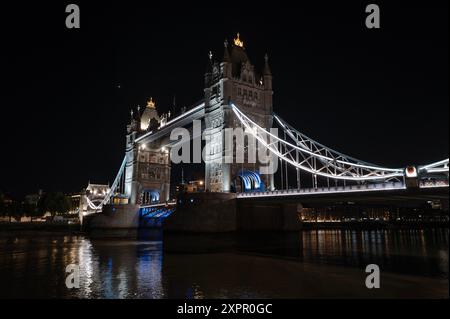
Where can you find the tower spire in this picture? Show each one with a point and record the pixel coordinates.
(238, 42)
(209, 63)
(266, 70)
(182, 176)
(226, 54)
(151, 104)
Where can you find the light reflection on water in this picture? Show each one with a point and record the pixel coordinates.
(225, 266)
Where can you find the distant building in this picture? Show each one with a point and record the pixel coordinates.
(75, 200)
(355, 213)
(195, 186)
(191, 187)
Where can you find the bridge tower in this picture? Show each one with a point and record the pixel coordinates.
(234, 79)
(147, 168)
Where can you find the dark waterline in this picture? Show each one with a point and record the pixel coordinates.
(309, 264)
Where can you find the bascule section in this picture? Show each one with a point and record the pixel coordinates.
(234, 78)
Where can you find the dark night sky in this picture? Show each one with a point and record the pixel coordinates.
(379, 95)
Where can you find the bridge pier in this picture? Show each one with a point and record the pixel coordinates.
(204, 212)
(260, 216)
(114, 217)
(221, 212)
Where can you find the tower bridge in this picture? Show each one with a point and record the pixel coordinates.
(236, 95)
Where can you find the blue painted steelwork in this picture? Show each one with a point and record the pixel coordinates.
(154, 216)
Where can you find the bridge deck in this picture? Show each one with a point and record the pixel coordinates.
(393, 193)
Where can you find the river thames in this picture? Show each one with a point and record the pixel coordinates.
(307, 264)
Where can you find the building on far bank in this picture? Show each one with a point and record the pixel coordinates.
(355, 213)
(195, 186)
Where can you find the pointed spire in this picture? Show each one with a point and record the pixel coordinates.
(209, 64)
(151, 104)
(266, 70)
(174, 105)
(226, 54)
(182, 176)
(238, 42)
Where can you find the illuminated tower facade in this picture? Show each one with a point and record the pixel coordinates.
(234, 79)
(147, 170)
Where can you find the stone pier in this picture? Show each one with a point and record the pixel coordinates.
(221, 212)
(206, 213)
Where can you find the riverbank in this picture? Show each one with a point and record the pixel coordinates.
(373, 225)
(24, 228)
(65, 228)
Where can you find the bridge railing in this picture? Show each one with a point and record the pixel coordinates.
(171, 203)
(327, 190)
(433, 184)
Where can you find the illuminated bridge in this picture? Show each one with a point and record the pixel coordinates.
(237, 96)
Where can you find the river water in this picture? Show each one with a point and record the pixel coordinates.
(307, 264)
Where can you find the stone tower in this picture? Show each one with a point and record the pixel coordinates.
(147, 170)
(234, 79)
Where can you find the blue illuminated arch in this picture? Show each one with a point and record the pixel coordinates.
(251, 181)
(152, 196)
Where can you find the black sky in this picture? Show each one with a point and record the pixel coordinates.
(379, 95)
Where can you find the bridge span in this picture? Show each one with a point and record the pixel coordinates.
(236, 96)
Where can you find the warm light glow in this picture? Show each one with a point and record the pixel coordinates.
(411, 172)
(150, 103)
(201, 182)
(238, 42)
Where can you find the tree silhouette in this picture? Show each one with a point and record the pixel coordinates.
(56, 203)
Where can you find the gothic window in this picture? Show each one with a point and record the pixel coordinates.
(239, 91)
(256, 95)
(250, 94)
(245, 93)
(244, 78)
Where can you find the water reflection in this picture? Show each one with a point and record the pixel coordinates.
(416, 252)
(293, 265)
